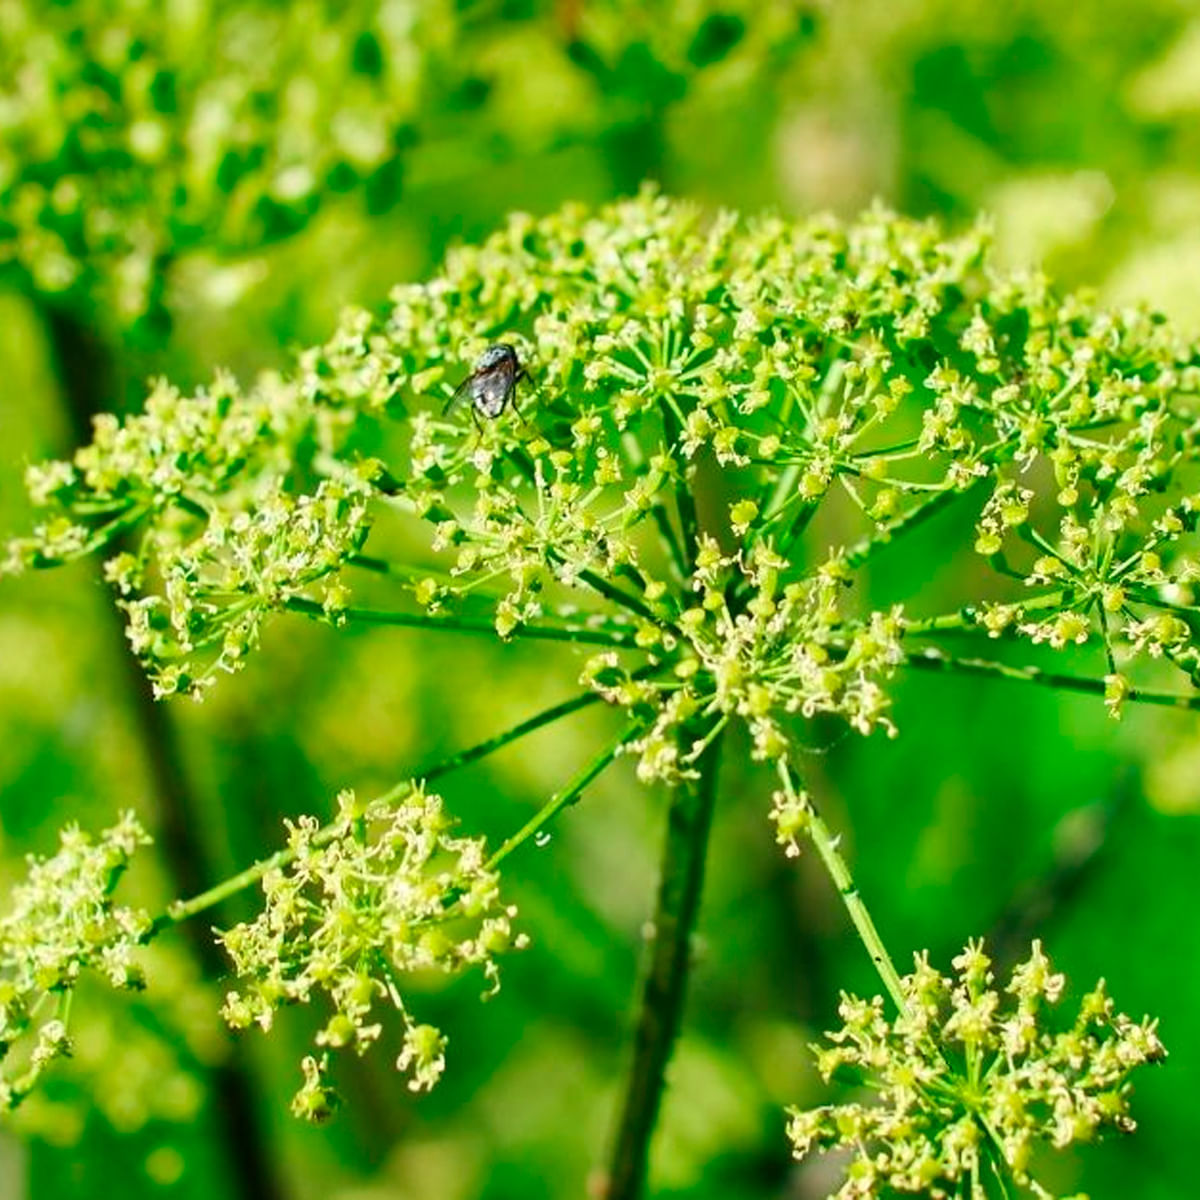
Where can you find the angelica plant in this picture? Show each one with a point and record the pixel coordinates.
(727, 420)
(154, 156)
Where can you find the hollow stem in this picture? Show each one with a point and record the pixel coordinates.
(689, 819)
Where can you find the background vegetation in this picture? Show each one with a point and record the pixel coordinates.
(1017, 811)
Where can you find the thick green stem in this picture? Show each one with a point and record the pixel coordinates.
(689, 819)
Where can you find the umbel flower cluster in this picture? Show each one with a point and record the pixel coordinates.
(384, 890)
(967, 1077)
(60, 923)
(844, 382)
(725, 420)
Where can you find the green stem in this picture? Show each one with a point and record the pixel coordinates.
(965, 620)
(565, 797)
(666, 533)
(830, 852)
(621, 598)
(969, 619)
(685, 501)
(184, 909)
(994, 1149)
(482, 749)
(800, 521)
(662, 519)
(582, 634)
(886, 533)
(1147, 597)
(383, 566)
(935, 660)
(782, 492)
(689, 819)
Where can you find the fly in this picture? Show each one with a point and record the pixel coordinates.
(493, 382)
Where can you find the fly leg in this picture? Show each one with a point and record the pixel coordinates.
(521, 376)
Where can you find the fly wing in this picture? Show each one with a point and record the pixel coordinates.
(459, 392)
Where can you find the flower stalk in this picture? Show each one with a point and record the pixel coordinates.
(689, 819)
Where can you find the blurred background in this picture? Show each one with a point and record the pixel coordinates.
(191, 184)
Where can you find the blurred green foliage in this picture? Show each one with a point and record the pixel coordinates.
(1003, 809)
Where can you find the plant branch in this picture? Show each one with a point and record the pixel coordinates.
(689, 819)
(383, 566)
(662, 518)
(887, 532)
(967, 619)
(563, 798)
(621, 598)
(666, 532)
(482, 749)
(829, 848)
(182, 910)
(579, 633)
(935, 660)
(685, 502)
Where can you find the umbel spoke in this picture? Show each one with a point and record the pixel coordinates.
(184, 909)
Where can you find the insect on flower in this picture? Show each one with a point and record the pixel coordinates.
(493, 382)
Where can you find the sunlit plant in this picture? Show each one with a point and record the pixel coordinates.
(726, 420)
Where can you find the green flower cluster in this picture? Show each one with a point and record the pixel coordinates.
(964, 1085)
(136, 1060)
(1105, 546)
(226, 541)
(219, 586)
(873, 373)
(877, 365)
(384, 890)
(62, 922)
(786, 649)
